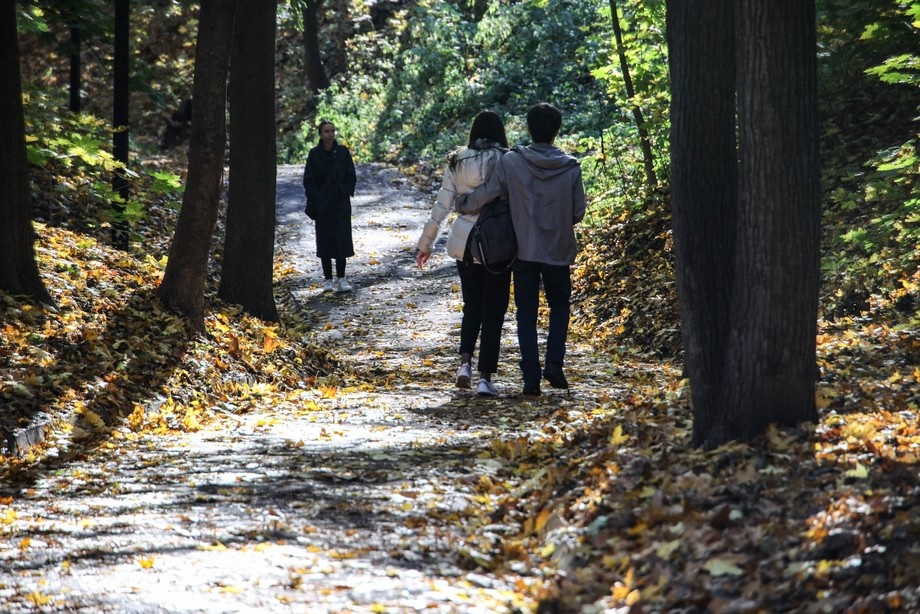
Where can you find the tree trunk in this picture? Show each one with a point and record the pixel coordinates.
(186, 272)
(770, 377)
(18, 269)
(746, 234)
(644, 140)
(121, 106)
(75, 85)
(249, 245)
(313, 64)
(703, 194)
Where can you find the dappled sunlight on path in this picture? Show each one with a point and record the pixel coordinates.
(371, 493)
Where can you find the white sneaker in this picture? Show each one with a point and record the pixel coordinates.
(486, 389)
(328, 285)
(342, 285)
(464, 375)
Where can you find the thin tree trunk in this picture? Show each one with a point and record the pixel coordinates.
(184, 281)
(120, 119)
(75, 69)
(313, 65)
(644, 139)
(246, 277)
(18, 269)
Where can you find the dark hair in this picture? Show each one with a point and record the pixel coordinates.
(488, 125)
(543, 122)
(323, 122)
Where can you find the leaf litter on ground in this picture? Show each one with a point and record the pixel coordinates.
(586, 502)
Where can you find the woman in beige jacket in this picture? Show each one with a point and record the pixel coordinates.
(485, 295)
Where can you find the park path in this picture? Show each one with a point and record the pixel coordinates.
(358, 502)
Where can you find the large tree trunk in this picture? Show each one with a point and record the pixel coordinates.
(644, 141)
(703, 193)
(186, 272)
(18, 270)
(246, 278)
(121, 106)
(771, 372)
(313, 64)
(747, 235)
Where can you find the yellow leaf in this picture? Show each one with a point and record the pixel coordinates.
(722, 567)
(8, 517)
(547, 550)
(136, 419)
(93, 419)
(860, 472)
(25, 543)
(666, 549)
(145, 563)
(542, 518)
(38, 599)
(618, 437)
(270, 343)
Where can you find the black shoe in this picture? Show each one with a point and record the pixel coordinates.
(531, 389)
(555, 377)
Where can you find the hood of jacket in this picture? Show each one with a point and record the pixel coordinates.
(546, 161)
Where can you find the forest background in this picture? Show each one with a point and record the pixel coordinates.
(406, 77)
(404, 80)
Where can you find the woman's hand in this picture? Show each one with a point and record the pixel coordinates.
(421, 258)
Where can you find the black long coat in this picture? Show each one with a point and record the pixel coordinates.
(329, 180)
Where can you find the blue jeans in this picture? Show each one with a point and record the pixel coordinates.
(557, 287)
(485, 301)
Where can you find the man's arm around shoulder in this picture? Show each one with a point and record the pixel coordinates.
(473, 202)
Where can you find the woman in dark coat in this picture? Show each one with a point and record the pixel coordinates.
(329, 181)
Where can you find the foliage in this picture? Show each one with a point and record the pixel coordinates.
(870, 98)
(72, 169)
(162, 46)
(413, 89)
(419, 70)
(112, 349)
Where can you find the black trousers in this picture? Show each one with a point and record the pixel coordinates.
(485, 301)
(327, 267)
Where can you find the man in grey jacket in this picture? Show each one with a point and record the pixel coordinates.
(545, 193)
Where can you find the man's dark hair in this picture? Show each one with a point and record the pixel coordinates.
(543, 122)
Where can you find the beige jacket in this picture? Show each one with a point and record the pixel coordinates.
(467, 168)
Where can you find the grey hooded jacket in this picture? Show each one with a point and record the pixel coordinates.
(546, 196)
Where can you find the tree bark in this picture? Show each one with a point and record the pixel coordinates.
(644, 139)
(248, 259)
(18, 269)
(746, 234)
(313, 64)
(770, 375)
(120, 119)
(703, 193)
(185, 278)
(75, 69)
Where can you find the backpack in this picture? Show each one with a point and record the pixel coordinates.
(492, 241)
